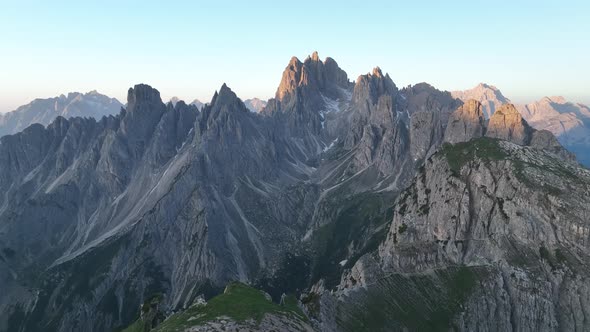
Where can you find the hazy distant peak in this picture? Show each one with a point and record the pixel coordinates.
(45, 110)
(174, 100)
(255, 104)
(486, 86)
(197, 103)
(554, 99)
(487, 94)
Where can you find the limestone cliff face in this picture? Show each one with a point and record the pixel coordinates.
(374, 98)
(465, 123)
(507, 124)
(454, 253)
(306, 93)
(490, 236)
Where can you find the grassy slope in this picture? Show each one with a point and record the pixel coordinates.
(419, 302)
(239, 302)
(461, 153)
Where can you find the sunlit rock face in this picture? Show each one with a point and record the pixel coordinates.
(488, 95)
(507, 124)
(466, 123)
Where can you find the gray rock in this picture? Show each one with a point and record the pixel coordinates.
(465, 123)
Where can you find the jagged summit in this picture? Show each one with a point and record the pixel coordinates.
(507, 124)
(142, 93)
(312, 73)
(377, 72)
(226, 97)
(465, 123)
(372, 86)
(315, 57)
(308, 90)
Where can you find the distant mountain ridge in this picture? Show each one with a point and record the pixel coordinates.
(44, 111)
(255, 105)
(488, 95)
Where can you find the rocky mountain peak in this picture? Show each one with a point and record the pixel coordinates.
(142, 93)
(507, 124)
(313, 75)
(465, 123)
(291, 78)
(315, 57)
(372, 122)
(488, 95)
(371, 87)
(377, 72)
(224, 97)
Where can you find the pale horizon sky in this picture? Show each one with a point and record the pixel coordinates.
(189, 49)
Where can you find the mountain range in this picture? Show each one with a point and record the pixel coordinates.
(340, 206)
(44, 111)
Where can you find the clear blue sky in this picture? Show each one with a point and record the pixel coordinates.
(189, 48)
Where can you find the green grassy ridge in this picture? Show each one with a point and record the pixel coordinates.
(239, 302)
(137, 326)
(488, 149)
(420, 302)
(484, 148)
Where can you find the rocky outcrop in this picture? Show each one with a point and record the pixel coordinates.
(374, 101)
(465, 123)
(545, 140)
(301, 95)
(507, 124)
(44, 111)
